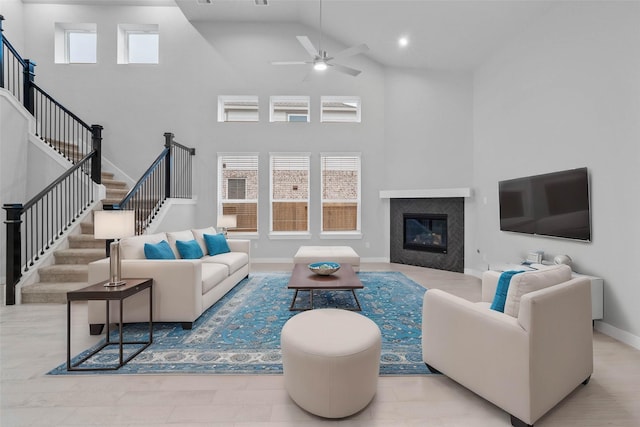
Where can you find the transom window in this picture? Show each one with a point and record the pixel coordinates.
(289, 109)
(238, 108)
(340, 109)
(340, 176)
(238, 189)
(289, 193)
(76, 43)
(138, 44)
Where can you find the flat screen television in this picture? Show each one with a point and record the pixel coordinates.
(554, 204)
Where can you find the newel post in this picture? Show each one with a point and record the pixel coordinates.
(28, 90)
(96, 161)
(14, 250)
(168, 140)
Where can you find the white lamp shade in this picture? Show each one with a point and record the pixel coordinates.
(227, 221)
(113, 224)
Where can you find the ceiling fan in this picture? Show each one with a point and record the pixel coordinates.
(320, 59)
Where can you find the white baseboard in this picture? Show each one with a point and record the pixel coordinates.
(618, 334)
(473, 272)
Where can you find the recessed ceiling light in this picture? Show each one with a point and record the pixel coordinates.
(403, 41)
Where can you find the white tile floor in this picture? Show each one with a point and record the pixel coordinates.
(33, 341)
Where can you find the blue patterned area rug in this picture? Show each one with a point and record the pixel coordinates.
(241, 333)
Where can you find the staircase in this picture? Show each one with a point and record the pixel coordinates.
(70, 270)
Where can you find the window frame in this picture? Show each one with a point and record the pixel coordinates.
(249, 158)
(123, 48)
(289, 234)
(273, 115)
(337, 234)
(344, 100)
(222, 112)
(62, 41)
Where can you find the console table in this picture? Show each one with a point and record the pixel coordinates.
(107, 294)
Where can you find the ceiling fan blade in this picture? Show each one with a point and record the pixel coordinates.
(353, 50)
(289, 63)
(347, 70)
(308, 46)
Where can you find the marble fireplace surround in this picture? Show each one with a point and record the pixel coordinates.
(448, 201)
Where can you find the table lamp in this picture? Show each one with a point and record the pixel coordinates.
(114, 225)
(225, 222)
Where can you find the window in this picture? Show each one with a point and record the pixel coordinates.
(138, 44)
(238, 189)
(289, 109)
(237, 108)
(340, 177)
(75, 43)
(290, 193)
(340, 109)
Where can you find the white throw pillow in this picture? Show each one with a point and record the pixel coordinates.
(533, 281)
(133, 247)
(199, 233)
(173, 236)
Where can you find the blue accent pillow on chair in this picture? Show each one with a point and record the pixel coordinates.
(160, 250)
(189, 249)
(500, 297)
(216, 244)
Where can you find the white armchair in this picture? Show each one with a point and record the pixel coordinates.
(524, 364)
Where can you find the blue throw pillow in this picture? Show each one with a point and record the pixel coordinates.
(160, 250)
(500, 297)
(189, 249)
(216, 244)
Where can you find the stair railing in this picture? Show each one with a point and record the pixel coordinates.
(55, 125)
(169, 176)
(44, 219)
(33, 227)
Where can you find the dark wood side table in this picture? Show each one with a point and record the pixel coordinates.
(107, 294)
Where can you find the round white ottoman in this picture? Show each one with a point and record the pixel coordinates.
(331, 361)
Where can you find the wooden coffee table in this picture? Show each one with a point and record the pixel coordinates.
(302, 279)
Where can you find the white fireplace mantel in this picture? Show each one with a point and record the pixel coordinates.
(426, 193)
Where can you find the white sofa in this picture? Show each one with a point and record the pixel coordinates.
(183, 288)
(524, 360)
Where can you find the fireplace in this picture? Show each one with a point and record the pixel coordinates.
(428, 232)
(425, 232)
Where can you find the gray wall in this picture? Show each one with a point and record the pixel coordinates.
(136, 104)
(564, 95)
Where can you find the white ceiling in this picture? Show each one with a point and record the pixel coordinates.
(443, 34)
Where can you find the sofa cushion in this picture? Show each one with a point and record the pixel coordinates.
(533, 281)
(198, 235)
(133, 247)
(234, 261)
(212, 275)
(160, 250)
(174, 236)
(189, 249)
(216, 244)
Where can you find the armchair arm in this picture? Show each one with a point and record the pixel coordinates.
(558, 319)
(482, 349)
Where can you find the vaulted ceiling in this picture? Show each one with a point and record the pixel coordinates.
(442, 34)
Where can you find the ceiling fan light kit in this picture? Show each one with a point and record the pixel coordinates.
(320, 59)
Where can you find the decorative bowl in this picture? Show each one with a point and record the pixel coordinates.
(324, 268)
